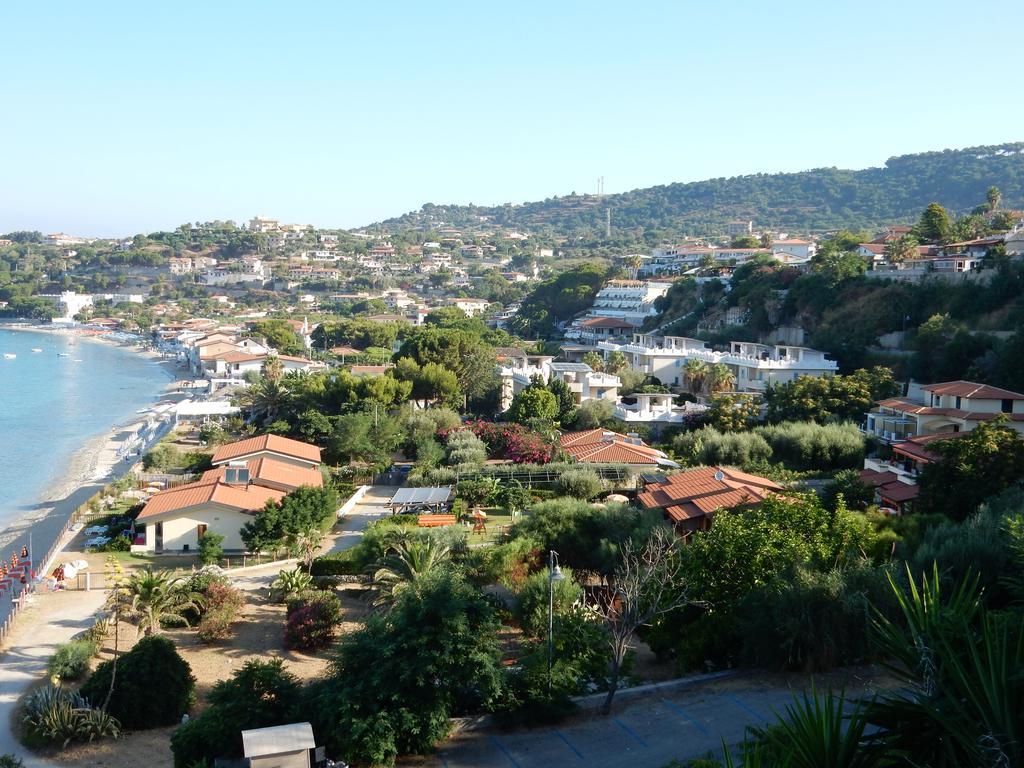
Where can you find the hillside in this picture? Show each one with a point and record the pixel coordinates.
(816, 200)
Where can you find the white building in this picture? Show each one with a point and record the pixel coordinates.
(252, 271)
(263, 224)
(472, 307)
(629, 300)
(517, 371)
(802, 250)
(754, 365)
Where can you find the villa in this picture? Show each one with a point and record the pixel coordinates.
(953, 406)
(601, 446)
(247, 474)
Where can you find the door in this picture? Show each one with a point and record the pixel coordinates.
(200, 532)
(158, 537)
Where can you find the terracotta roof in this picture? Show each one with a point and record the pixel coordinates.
(898, 493)
(238, 357)
(271, 443)
(264, 471)
(249, 499)
(971, 389)
(876, 248)
(914, 447)
(703, 491)
(599, 446)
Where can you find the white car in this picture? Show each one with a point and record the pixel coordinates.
(97, 541)
(95, 529)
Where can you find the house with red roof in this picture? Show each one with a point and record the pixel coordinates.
(952, 406)
(247, 474)
(691, 499)
(602, 446)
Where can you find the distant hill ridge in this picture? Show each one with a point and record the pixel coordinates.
(816, 200)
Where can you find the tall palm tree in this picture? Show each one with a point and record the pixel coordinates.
(994, 197)
(405, 564)
(720, 378)
(695, 372)
(158, 596)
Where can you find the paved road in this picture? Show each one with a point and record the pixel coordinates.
(370, 507)
(642, 732)
(49, 621)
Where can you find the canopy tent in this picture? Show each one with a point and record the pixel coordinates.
(410, 498)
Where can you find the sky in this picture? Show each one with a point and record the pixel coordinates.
(125, 117)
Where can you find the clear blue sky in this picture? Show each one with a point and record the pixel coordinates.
(120, 117)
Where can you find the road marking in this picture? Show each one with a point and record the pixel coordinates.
(629, 731)
(569, 744)
(743, 706)
(505, 752)
(679, 711)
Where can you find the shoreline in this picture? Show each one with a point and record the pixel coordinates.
(95, 464)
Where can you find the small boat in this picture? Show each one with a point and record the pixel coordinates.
(37, 349)
(9, 355)
(63, 354)
(78, 359)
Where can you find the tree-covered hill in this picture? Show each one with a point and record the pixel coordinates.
(816, 200)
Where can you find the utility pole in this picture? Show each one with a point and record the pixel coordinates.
(608, 223)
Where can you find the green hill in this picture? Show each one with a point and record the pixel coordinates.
(817, 200)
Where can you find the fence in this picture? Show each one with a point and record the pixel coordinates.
(620, 476)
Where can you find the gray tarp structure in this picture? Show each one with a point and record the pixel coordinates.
(434, 498)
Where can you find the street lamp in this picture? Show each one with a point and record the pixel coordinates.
(554, 574)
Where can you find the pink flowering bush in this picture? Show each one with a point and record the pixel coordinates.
(514, 442)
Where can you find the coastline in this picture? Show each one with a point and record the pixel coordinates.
(92, 466)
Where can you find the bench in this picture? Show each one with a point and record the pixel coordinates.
(435, 521)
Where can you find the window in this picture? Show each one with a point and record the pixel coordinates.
(958, 401)
(1006, 406)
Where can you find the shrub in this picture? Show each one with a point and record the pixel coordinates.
(117, 543)
(332, 606)
(210, 548)
(223, 602)
(532, 602)
(807, 445)
(10, 761)
(153, 685)
(582, 483)
(312, 626)
(709, 446)
(593, 413)
(71, 660)
(479, 491)
(259, 695)
(334, 564)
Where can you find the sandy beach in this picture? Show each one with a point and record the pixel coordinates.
(98, 462)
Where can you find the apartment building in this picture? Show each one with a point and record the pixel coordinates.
(517, 371)
(755, 366)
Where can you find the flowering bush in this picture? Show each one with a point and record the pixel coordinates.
(312, 622)
(510, 441)
(223, 602)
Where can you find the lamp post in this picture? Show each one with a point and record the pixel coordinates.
(554, 574)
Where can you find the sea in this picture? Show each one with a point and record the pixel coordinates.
(51, 405)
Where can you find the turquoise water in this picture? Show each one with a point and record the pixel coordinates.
(50, 406)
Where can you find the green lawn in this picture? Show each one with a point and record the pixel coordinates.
(498, 521)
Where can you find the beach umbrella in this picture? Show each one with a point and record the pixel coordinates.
(80, 565)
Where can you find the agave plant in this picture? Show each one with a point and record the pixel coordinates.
(816, 732)
(962, 669)
(290, 583)
(55, 715)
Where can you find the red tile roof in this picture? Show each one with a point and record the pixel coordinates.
(599, 446)
(266, 471)
(971, 389)
(606, 322)
(703, 491)
(271, 443)
(249, 499)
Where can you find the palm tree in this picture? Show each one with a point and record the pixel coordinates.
(263, 400)
(634, 261)
(272, 368)
(902, 248)
(695, 371)
(405, 564)
(994, 197)
(594, 360)
(720, 378)
(158, 596)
